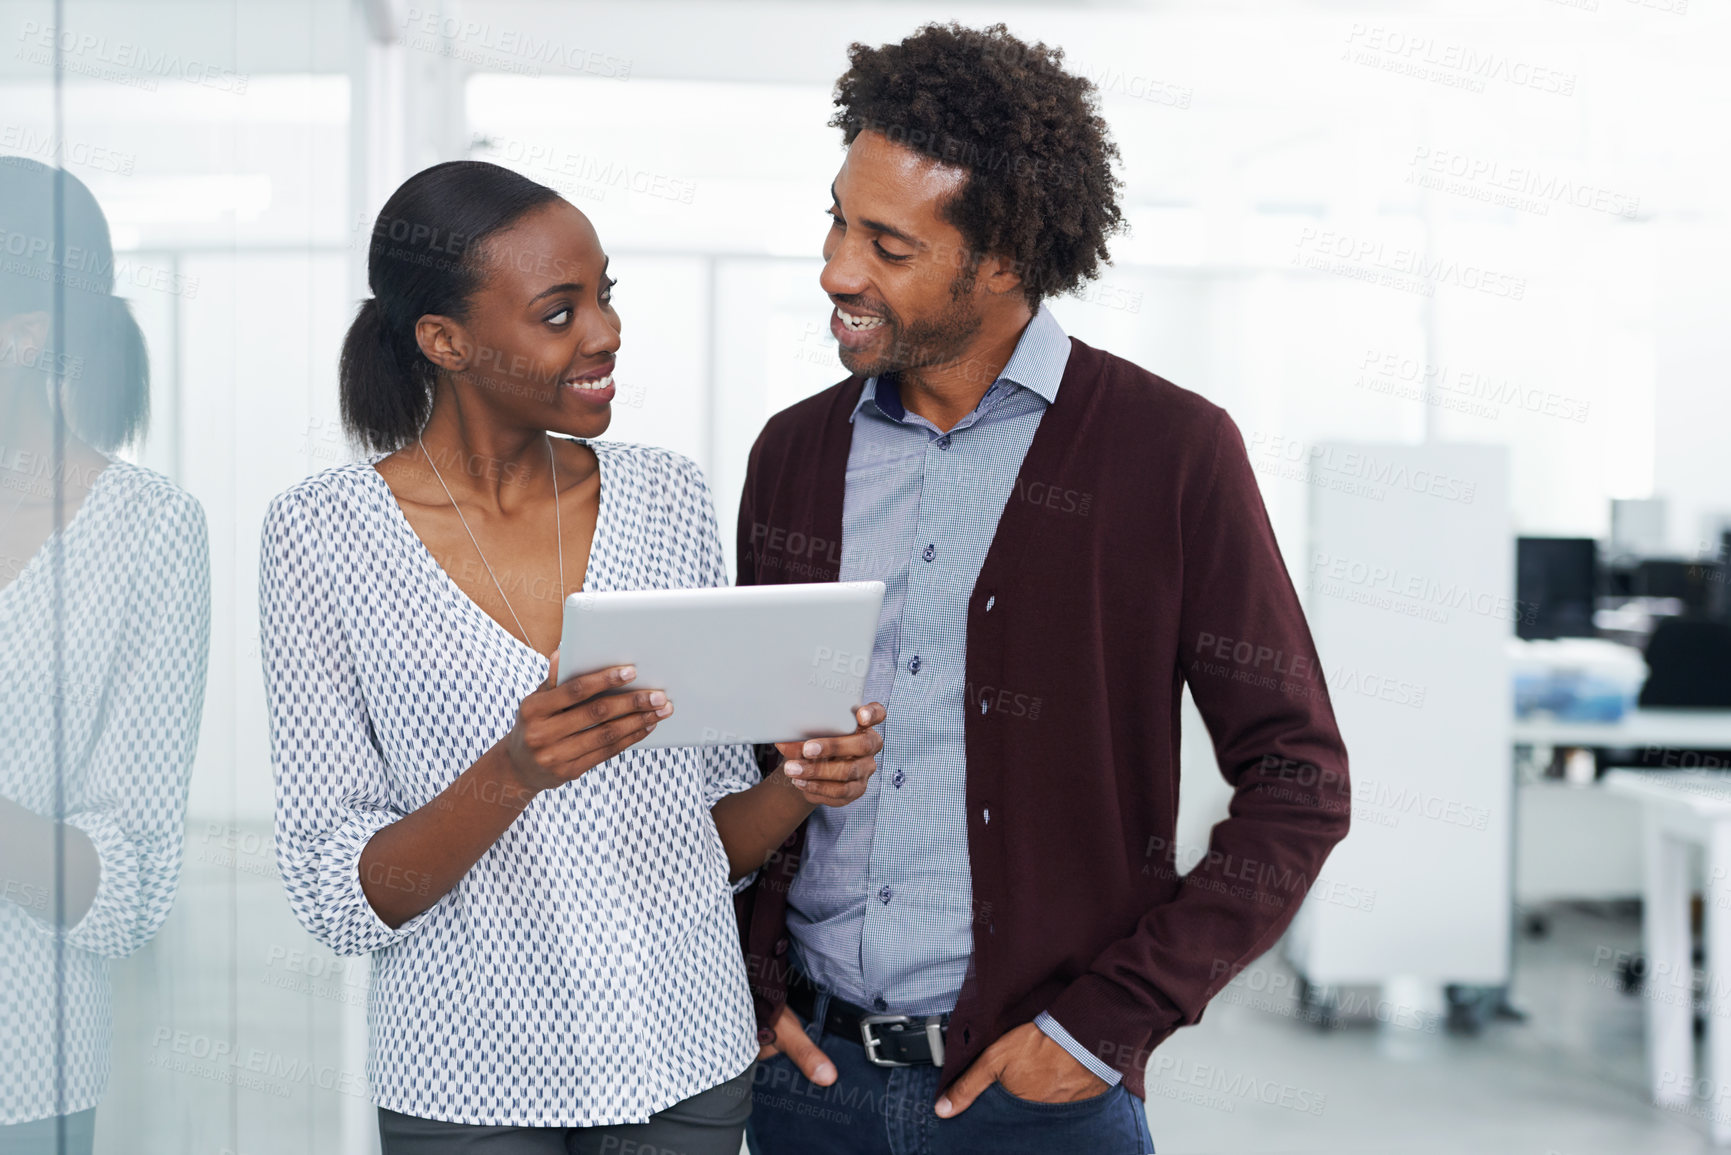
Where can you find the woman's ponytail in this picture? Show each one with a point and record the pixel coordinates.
(382, 391)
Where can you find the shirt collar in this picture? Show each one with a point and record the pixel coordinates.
(1037, 364)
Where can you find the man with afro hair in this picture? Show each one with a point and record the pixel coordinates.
(981, 952)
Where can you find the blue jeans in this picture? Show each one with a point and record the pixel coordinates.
(872, 1110)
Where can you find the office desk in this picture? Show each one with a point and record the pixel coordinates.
(1576, 841)
(1706, 729)
(1680, 809)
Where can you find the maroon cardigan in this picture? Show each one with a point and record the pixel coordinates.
(1133, 555)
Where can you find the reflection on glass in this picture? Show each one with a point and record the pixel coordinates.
(104, 632)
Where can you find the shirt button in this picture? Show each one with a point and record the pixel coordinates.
(878, 1003)
(898, 779)
(930, 552)
(884, 894)
(944, 441)
(914, 665)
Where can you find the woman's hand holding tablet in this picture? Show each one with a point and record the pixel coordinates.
(564, 730)
(825, 770)
(834, 771)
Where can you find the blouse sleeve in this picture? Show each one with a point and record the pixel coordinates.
(728, 769)
(332, 786)
(132, 800)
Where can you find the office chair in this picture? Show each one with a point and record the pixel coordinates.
(1689, 663)
(1688, 667)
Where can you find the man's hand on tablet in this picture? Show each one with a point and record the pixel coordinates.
(834, 771)
(564, 730)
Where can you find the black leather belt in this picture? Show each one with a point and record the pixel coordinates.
(889, 1040)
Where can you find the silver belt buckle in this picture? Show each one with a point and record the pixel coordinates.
(934, 1038)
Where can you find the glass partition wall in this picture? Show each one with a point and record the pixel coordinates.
(177, 255)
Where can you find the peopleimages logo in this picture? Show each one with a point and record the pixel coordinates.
(122, 61)
(255, 1068)
(585, 172)
(1461, 388)
(86, 269)
(513, 49)
(1232, 1086)
(1296, 675)
(1520, 187)
(1357, 471)
(838, 671)
(1414, 595)
(1453, 65)
(23, 141)
(1374, 794)
(1369, 259)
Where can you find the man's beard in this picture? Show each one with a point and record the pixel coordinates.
(931, 341)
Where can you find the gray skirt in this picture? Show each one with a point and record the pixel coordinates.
(711, 1122)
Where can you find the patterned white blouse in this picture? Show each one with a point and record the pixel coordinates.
(134, 585)
(587, 970)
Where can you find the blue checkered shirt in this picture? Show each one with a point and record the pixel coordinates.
(881, 913)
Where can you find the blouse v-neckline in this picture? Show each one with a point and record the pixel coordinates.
(596, 540)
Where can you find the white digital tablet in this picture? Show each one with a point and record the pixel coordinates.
(774, 663)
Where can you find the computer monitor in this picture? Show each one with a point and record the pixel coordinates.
(1699, 585)
(1555, 582)
(1665, 577)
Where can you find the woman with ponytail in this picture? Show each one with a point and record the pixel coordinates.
(104, 632)
(555, 962)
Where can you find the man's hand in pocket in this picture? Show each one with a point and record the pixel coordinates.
(1030, 1066)
(790, 1040)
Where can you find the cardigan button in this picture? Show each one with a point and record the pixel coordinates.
(781, 946)
(787, 843)
(765, 1036)
(989, 602)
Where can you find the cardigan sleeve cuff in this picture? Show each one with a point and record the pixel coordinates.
(1056, 1032)
(1112, 1025)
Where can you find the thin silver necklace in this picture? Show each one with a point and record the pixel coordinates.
(558, 528)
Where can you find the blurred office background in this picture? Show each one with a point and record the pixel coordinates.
(1457, 270)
